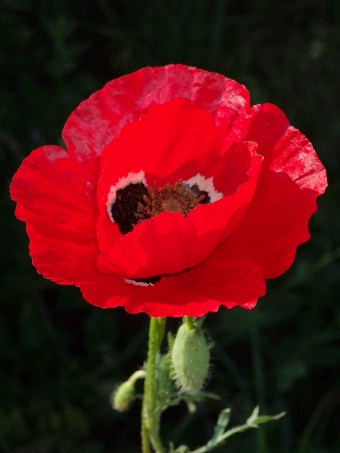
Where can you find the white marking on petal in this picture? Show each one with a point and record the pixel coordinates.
(133, 282)
(89, 188)
(205, 185)
(53, 154)
(131, 178)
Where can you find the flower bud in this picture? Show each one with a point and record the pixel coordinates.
(190, 358)
(123, 396)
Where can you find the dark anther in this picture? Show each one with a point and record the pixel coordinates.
(136, 203)
(126, 205)
(170, 198)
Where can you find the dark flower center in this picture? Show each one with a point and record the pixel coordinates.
(170, 198)
(136, 203)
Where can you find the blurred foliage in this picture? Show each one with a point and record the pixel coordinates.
(60, 357)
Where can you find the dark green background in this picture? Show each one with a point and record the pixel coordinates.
(60, 357)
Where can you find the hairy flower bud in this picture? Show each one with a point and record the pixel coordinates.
(123, 396)
(190, 358)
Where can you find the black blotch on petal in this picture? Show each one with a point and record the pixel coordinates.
(125, 206)
(198, 192)
(151, 280)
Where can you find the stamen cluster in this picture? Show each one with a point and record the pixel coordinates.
(170, 198)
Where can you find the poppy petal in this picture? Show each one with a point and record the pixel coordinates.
(295, 156)
(265, 125)
(58, 204)
(61, 260)
(277, 219)
(170, 243)
(205, 288)
(99, 119)
(173, 141)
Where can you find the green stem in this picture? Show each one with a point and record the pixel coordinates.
(139, 374)
(150, 417)
(189, 320)
(156, 442)
(145, 436)
(259, 384)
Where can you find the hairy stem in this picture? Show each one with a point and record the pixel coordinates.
(189, 321)
(145, 436)
(150, 417)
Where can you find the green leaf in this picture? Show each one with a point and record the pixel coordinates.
(268, 418)
(220, 436)
(222, 422)
(254, 415)
(255, 419)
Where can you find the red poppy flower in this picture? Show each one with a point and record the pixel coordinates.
(174, 196)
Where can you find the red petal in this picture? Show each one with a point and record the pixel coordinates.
(98, 120)
(265, 125)
(284, 148)
(233, 167)
(61, 260)
(58, 204)
(277, 220)
(194, 293)
(295, 156)
(173, 141)
(170, 243)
